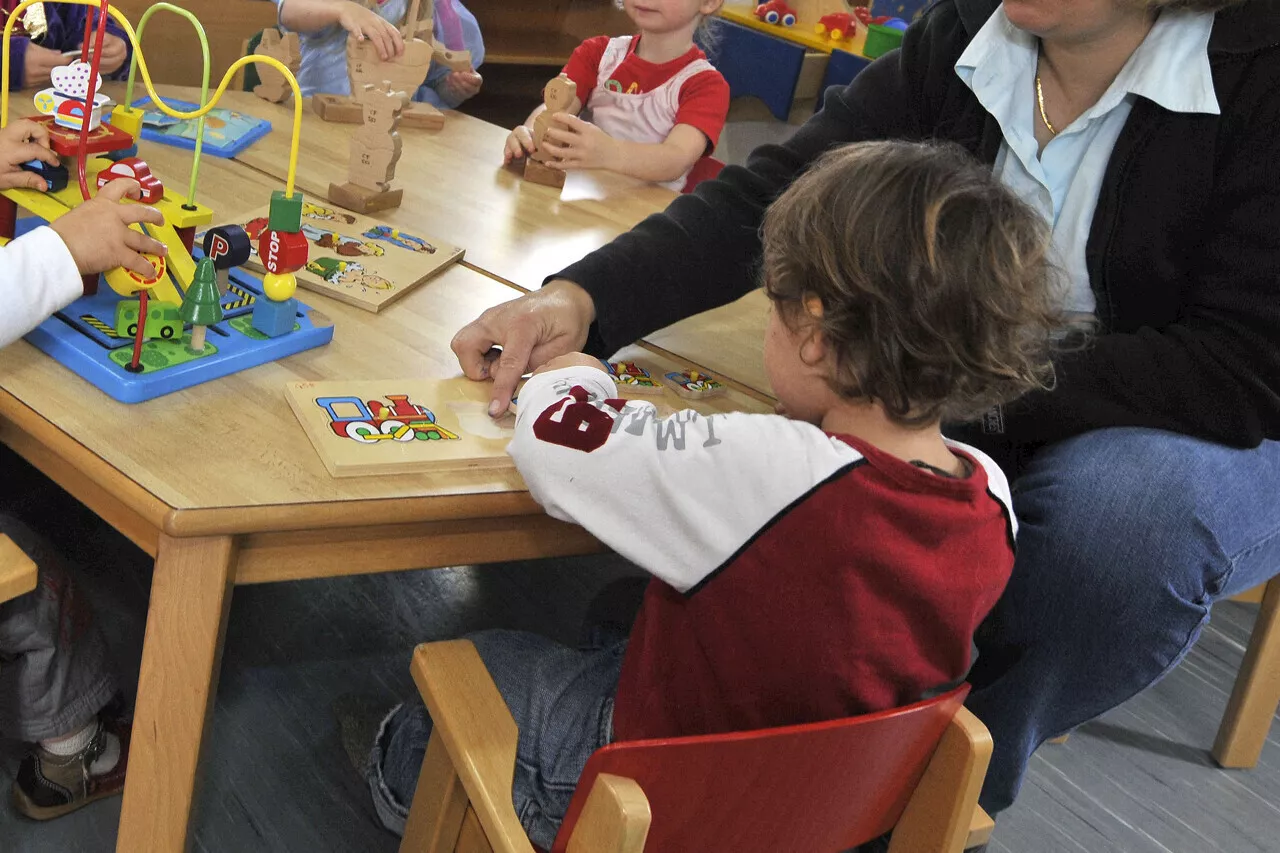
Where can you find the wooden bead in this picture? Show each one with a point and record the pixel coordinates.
(282, 251)
(279, 286)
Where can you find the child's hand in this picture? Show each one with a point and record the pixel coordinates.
(519, 145)
(572, 359)
(39, 64)
(460, 85)
(21, 142)
(578, 144)
(98, 235)
(366, 24)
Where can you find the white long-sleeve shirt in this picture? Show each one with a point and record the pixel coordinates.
(38, 277)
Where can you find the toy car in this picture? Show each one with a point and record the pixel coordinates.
(837, 26)
(163, 320)
(55, 177)
(776, 12)
(133, 167)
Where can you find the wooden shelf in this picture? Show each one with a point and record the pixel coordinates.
(521, 32)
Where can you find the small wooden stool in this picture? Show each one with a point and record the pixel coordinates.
(1256, 693)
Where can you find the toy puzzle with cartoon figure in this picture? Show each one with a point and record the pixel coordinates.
(357, 259)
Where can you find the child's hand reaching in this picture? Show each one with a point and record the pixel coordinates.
(575, 143)
(21, 142)
(98, 235)
(460, 85)
(364, 24)
(519, 145)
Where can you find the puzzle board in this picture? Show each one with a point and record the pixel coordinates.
(401, 426)
(226, 132)
(357, 259)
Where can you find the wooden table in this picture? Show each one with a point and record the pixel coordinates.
(456, 190)
(220, 485)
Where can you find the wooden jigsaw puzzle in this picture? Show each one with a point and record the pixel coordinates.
(356, 259)
(401, 426)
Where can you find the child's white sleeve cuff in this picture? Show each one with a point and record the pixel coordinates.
(38, 277)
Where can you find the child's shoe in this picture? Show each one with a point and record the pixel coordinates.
(50, 786)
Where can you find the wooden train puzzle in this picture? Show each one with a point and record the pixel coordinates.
(356, 259)
(196, 318)
(401, 426)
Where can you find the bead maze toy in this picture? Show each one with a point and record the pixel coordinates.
(130, 338)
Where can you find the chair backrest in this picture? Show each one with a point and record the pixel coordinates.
(820, 788)
(704, 170)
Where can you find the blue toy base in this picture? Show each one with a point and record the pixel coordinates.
(82, 338)
(257, 128)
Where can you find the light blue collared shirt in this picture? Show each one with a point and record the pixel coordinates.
(1170, 67)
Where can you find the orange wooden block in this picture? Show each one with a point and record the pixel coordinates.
(540, 173)
(362, 200)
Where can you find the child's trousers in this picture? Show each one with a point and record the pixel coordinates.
(54, 673)
(562, 702)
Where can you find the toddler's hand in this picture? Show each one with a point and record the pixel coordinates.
(21, 142)
(575, 143)
(572, 359)
(98, 235)
(364, 24)
(460, 85)
(519, 145)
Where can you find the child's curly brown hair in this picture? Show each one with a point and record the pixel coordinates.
(938, 296)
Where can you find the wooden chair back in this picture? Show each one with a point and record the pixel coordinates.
(821, 787)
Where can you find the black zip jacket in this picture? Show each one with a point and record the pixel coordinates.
(1183, 254)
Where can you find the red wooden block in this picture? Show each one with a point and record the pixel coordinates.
(65, 142)
(282, 251)
(187, 236)
(8, 217)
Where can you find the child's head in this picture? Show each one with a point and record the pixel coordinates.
(906, 274)
(667, 16)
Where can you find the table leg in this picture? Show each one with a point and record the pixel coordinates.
(181, 657)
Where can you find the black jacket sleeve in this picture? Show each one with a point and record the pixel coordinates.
(704, 250)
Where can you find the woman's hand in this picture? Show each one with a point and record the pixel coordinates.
(114, 53)
(364, 24)
(39, 64)
(574, 143)
(530, 331)
(21, 142)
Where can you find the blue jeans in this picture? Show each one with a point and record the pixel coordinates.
(562, 702)
(1126, 538)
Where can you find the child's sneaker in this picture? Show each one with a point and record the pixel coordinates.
(50, 786)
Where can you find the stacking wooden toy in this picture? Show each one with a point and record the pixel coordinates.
(282, 250)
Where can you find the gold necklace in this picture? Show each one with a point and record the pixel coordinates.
(1044, 117)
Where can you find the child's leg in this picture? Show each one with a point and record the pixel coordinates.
(562, 702)
(54, 676)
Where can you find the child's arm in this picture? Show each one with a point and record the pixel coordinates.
(678, 496)
(457, 29)
(309, 16)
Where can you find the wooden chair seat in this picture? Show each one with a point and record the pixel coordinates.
(17, 572)
(822, 786)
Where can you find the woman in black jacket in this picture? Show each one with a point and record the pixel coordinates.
(1148, 480)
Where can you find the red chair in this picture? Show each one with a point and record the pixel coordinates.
(704, 170)
(817, 788)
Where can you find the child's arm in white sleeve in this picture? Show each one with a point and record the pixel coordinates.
(678, 496)
(38, 276)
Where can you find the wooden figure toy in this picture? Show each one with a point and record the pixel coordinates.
(375, 150)
(202, 306)
(559, 96)
(288, 50)
(405, 73)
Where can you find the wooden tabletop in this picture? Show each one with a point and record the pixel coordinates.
(456, 190)
(727, 340)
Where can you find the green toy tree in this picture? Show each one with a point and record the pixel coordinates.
(202, 305)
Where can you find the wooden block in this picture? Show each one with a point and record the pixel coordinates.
(282, 251)
(405, 73)
(227, 246)
(454, 60)
(358, 259)
(401, 426)
(422, 116)
(337, 109)
(285, 211)
(559, 96)
(541, 173)
(362, 200)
